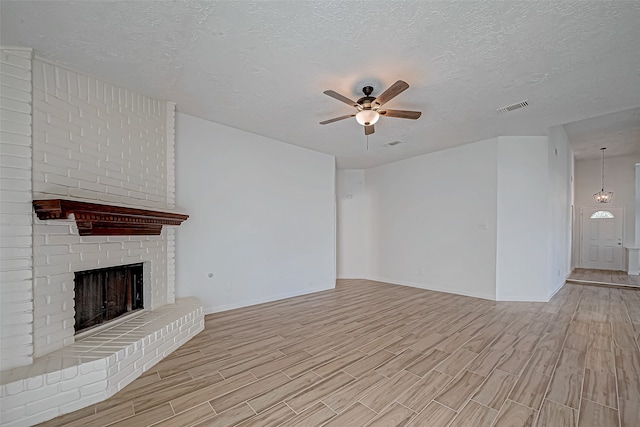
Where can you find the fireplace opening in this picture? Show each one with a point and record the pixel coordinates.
(107, 293)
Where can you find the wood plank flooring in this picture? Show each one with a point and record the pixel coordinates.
(373, 354)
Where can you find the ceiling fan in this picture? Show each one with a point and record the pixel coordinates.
(368, 107)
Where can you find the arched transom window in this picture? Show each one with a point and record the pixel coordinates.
(602, 215)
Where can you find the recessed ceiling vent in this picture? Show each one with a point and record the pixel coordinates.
(392, 143)
(512, 107)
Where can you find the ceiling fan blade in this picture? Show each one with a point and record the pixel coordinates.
(403, 114)
(393, 91)
(339, 97)
(326, 122)
(368, 130)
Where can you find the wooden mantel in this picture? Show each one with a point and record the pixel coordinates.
(95, 219)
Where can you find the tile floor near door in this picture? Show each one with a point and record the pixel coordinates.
(607, 277)
(372, 354)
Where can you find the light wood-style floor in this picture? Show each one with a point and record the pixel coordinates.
(374, 354)
(605, 277)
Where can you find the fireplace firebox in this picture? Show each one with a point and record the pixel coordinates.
(107, 293)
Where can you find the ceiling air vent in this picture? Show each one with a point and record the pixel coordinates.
(512, 107)
(392, 143)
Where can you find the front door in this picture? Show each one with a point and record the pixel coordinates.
(601, 238)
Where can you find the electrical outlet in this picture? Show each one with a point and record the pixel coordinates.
(229, 286)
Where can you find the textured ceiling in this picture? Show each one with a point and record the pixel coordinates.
(618, 132)
(262, 66)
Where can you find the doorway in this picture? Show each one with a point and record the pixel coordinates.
(601, 238)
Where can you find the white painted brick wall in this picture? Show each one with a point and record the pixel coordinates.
(16, 295)
(68, 135)
(96, 142)
(171, 196)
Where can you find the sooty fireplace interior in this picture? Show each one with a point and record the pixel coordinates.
(104, 294)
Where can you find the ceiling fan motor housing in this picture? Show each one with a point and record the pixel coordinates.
(366, 101)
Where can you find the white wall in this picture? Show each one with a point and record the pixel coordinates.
(354, 224)
(534, 216)
(619, 178)
(637, 208)
(522, 219)
(434, 220)
(560, 202)
(489, 219)
(262, 217)
(633, 252)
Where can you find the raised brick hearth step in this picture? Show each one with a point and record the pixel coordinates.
(97, 366)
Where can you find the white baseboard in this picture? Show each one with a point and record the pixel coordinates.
(433, 288)
(467, 293)
(522, 299)
(270, 298)
(560, 286)
(564, 282)
(533, 298)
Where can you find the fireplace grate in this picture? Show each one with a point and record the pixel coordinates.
(104, 294)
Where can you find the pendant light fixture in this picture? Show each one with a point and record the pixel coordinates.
(603, 196)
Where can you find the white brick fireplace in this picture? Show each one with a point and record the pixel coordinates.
(67, 135)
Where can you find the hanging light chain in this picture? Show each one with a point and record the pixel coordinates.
(602, 149)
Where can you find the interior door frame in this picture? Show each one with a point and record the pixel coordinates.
(581, 230)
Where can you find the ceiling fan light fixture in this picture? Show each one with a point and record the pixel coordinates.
(367, 117)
